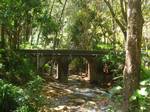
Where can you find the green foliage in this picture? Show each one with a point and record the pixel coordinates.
(115, 62)
(7, 94)
(48, 25)
(23, 18)
(142, 95)
(77, 65)
(46, 67)
(88, 23)
(13, 98)
(33, 90)
(115, 90)
(24, 109)
(18, 68)
(145, 73)
(79, 29)
(104, 46)
(145, 65)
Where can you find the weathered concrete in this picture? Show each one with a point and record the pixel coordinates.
(92, 70)
(64, 52)
(62, 69)
(63, 58)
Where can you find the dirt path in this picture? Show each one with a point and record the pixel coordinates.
(75, 96)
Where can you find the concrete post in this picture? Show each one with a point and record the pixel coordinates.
(40, 61)
(37, 62)
(93, 74)
(62, 69)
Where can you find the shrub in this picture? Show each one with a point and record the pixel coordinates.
(18, 68)
(33, 90)
(11, 97)
(142, 95)
(115, 63)
(16, 99)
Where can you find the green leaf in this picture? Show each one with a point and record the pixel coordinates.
(142, 92)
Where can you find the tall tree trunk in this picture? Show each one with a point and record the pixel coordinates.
(14, 42)
(15, 36)
(27, 27)
(114, 31)
(133, 52)
(2, 37)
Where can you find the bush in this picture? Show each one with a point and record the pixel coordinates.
(17, 68)
(33, 90)
(115, 63)
(143, 96)
(11, 97)
(15, 99)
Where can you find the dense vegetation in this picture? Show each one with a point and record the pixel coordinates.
(75, 25)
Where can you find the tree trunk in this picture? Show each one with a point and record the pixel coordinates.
(2, 37)
(133, 52)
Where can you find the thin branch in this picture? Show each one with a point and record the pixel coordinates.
(62, 11)
(54, 45)
(124, 13)
(52, 7)
(122, 27)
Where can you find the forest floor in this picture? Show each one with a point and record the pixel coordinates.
(75, 96)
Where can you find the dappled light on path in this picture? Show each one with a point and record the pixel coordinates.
(75, 96)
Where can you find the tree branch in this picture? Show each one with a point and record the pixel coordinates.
(52, 7)
(54, 45)
(124, 13)
(122, 27)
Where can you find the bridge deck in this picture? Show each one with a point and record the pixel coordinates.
(64, 52)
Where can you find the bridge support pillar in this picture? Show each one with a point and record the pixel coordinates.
(62, 69)
(37, 63)
(93, 74)
(40, 61)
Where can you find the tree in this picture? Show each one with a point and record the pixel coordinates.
(89, 22)
(133, 51)
(122, 23)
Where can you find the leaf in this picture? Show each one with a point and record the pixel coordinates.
(143, 92)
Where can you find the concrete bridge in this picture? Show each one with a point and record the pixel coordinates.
(64, 57)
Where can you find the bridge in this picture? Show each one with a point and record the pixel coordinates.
(64, 52)
(63, 58)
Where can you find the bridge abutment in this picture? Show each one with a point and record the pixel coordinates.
(62, 69)
(40, 62)
(93, 74)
